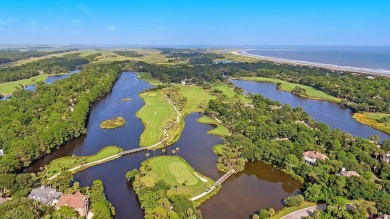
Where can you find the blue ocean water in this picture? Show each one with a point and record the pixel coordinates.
(362, 57)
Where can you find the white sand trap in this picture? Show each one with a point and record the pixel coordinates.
(201, 178)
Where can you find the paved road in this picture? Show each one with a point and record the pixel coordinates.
(309, 211)
(304, 212)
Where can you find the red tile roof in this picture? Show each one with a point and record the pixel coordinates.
(315, 155)
(76, 201)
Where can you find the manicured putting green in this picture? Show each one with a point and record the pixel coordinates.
(176, 172)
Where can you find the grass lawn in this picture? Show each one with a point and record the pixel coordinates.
(176, 171)
(113, 123)
(230, 92)
(219, 149)
(287, 86)
(9, 87)
(148, 77)
(370, 119)
(196, 96)
(155, 114)
(69, 162)
(220, 130)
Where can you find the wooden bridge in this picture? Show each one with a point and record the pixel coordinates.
(132, 151)
(215, 185)
(223, 178)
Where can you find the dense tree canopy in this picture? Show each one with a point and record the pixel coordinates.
(35, 123)
(14, 55)
(254, 138)
(52, 65)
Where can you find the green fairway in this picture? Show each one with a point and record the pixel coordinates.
(176, 172)
(312, 93)
(196, 97)
(155, 114)
(9, 87)
(220, 130)
(66, 163)
(230, 92)
(148, 77)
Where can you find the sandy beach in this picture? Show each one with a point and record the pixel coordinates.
(381, 72)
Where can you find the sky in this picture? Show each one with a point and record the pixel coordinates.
(196, 22)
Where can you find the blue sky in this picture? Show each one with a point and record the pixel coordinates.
(200, 22)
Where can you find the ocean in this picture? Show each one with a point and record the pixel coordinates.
(361, 57)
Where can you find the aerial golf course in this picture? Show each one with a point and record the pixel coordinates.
(176, 172)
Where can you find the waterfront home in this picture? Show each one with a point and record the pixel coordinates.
(386, 157)
(46, 195)
(311, 157)
(78, 202)
(1, 152)
(349, 173)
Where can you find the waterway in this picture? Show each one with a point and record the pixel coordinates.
(50, 79)
(258, 186)
(332, 114)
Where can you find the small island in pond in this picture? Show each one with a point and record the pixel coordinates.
(113, 123)
(127, 99)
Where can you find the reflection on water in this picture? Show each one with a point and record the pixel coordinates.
(332, 114)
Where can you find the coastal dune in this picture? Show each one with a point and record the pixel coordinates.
(380, 72)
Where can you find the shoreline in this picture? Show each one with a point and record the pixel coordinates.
(286, 90)
(379, 72)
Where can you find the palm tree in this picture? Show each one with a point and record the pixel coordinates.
(177, 150)
(173, 152)
(147, 155)
(163, 151)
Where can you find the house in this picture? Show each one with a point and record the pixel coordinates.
(312, 156)
(247, 105)
(186, 81)
(46, 195)
(349, 173)
(1, 152)
(78, 202)
(385, 216)
(386, 157)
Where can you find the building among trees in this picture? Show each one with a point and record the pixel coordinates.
(46, 195)
(311, 157)
(386, 157)
(78, 202)
(349, 173)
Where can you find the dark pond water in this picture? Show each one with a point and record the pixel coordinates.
(259, 186)
(49, 80)
(333, 114)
